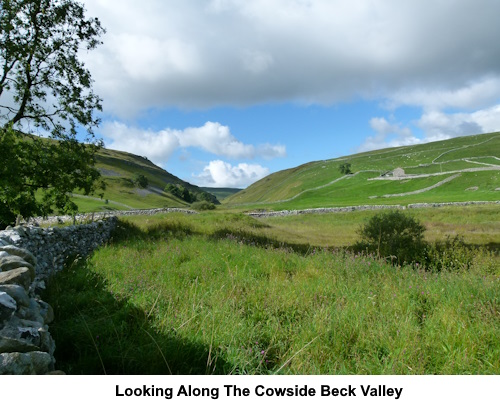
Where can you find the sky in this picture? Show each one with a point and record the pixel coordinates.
(222, 93)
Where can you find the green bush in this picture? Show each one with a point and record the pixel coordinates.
(345, 168)
(203, 206)
(141, 180)
(452, 255)
(394, 236)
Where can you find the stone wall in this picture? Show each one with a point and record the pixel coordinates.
(28, 256)
(263, 214)
(90, 217)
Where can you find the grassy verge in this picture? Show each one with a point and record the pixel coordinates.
(204, 296)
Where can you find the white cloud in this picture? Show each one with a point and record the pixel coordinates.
(439, 125)
(159, 145)
(474, 95)
(387, 135)
(436, 126)
(192, 53)
(223, 174)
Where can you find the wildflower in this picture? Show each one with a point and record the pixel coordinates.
(263, 352)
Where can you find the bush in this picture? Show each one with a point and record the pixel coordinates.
(394, 236)
(345, 168)
(141, 180)
(452, 255)
(203, 206)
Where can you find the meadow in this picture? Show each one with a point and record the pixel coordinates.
(223, 293)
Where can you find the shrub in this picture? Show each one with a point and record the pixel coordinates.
(452, 254)
(141, 180)
(395, 236)
(203, 206)
(345, 168)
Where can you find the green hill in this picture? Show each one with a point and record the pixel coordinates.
(458, 169)
(119, 170)
(221, 193)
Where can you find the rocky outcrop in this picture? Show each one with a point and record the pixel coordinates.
(28, 256)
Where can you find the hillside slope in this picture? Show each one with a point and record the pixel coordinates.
(119, 170)
(458, 169)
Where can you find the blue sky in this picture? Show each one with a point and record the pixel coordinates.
(223, 92)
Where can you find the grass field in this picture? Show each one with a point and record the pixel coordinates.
(218, 294)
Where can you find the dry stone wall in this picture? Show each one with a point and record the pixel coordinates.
(28, 256)
(83, 218)
(264, 214)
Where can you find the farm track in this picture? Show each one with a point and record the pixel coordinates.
(421, 176)
(423, 190)
(463, 147)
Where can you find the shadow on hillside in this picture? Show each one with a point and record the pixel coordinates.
(98, 333)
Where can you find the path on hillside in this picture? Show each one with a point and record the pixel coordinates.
(423, 190)
(489, 167)
(421, 176)
(464, 147)
(481, 163)
(347, 176)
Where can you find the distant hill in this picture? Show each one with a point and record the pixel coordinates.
(119, 170)
(221, 193)
(458, 169)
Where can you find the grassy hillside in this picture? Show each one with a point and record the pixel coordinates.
(119, 170)
(221, 193)
(458, 169)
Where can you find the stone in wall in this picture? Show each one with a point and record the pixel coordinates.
(28, 256)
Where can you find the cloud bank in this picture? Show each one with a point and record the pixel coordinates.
(202, 54)
(159, 145)
(436, 126)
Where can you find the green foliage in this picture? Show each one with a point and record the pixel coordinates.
(37, 175)
(44, 86)
(40, 41)
(141, 180)
(185, 194)
(394, 236)
(345, 168)
(203, 206)
(451, 255)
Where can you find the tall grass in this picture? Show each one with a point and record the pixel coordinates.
(174, 297)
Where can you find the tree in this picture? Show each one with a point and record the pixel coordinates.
(141, 180)
(345, 168)
(393, 235)
(46, 92)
